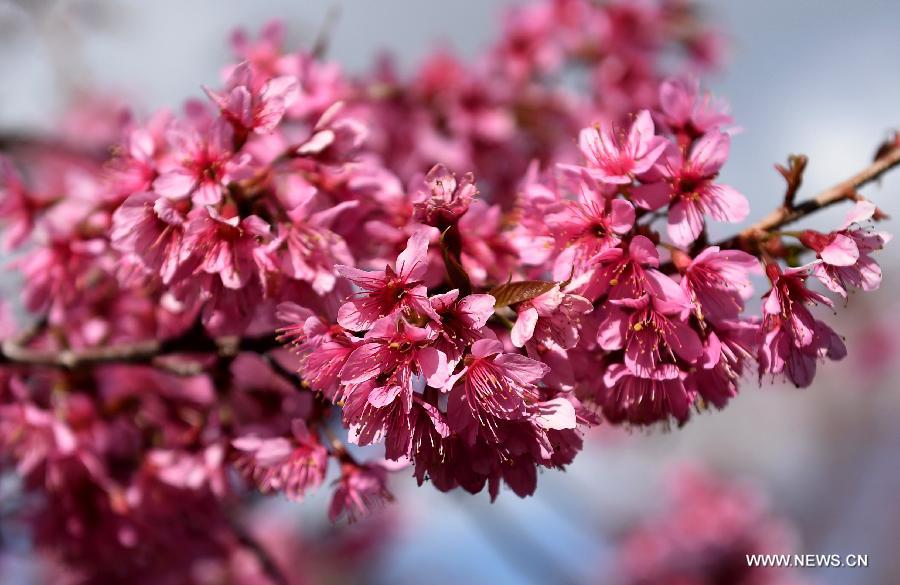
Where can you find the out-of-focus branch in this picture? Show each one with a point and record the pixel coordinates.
(19, 142)
(15, 351)
(267, 563)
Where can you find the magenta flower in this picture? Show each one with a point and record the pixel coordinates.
(394, 289)
(718, 282)
(846, 253)
(336, 138)
(794, 340)
(461, 322)
(687, 186)
(616, 158)
(645, 400)
(293, 465)
(394, 352)
(307, 248)
(630, 278)
(226, 247)
(726, 350)
(586, 227)
(487, 252)
(493, 386)
(444, 200)
(200, 166)
(323, 349)
(135, 168)
(360, 489)
(249, 110)
(551, 319)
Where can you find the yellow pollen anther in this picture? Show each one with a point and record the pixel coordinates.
(614, 282)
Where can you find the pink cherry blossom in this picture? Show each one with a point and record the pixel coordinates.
(17, 208)
(493, 386)
(644, 400)
(444, 200)
(688, 113)
(687, 185)
(292, 465)
(255, 111)
(629, 278)
(846, 253)
(718, 281)
(201, 165)
(616, 158)
(552, 318)
(226, 247)
(397, 288)
(794, 340)
(587, 227)
(360, 490)
(151, 229)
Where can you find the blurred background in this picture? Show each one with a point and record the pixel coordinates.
(818, 77)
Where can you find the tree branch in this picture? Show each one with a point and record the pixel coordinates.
(15, 351)
(842, 191)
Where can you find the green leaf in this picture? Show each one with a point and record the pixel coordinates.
(516, 292)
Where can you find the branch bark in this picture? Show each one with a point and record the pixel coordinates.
(14, 351)
(844, 190)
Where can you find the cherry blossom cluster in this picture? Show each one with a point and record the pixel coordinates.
(467, 268)
(704, 534)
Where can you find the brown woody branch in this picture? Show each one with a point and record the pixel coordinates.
(194, 341)
(845, 190)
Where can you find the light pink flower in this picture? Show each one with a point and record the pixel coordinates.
(551, 319)
(249, 110)
(336, 137)
(846, 253)
(718, 282)
(225, 246)
(687, 186)
(487, 251)
(200, 166)
(306, 247)
(614, 157)
(150, 228)
(688, 113)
